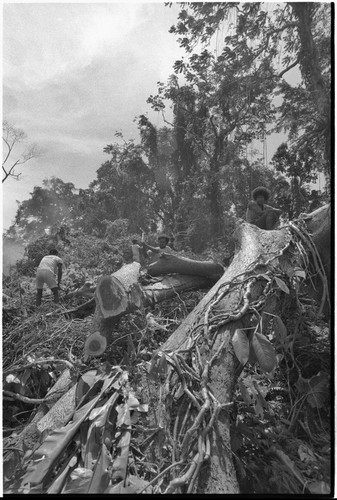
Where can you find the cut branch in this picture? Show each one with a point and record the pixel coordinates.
(295, 63)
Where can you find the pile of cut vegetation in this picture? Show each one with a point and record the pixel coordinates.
(82, 427)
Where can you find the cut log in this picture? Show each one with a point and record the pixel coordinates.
(169, 263)
(121, 293)
(169, 286)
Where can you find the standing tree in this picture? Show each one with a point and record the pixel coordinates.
(53, 203)
(299, 167)
(12, 136)
(271, 40)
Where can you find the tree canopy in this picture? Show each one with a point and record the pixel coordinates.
(193, 176)
(239, 391)
(11, 137)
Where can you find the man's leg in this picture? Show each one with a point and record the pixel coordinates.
(39, 296)
(56, 294)
(271, 220)
(261, 221)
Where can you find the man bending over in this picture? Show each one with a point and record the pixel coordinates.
(46, 273)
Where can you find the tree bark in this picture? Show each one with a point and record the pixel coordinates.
(254, 249)
(258, 253)
(311, 70)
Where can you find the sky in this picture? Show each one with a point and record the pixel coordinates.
(73, 75)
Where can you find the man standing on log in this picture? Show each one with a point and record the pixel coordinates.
(260, 214)
(163, 241)
(46, 273)
(135, 247)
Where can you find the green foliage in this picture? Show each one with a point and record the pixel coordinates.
(50, 204)
(263, 43)
(34, 253)
(300, 167)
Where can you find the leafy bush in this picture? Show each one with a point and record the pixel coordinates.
(34, 253)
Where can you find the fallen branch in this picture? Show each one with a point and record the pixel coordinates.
(18, 369)
(24, 399)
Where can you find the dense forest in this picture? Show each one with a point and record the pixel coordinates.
(191, 179)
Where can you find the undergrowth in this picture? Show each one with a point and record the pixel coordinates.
(281, 423)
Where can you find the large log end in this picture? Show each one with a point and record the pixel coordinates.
(111, 296)
(95, 345)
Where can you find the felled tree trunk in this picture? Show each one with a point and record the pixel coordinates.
(169, 263)
(248, 286)
(121, 293)
(254, 247)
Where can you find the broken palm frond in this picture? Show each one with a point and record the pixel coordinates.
(90, 454)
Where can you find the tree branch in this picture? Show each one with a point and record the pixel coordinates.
(201, 146)
(289, 68)
(270, 33)
(9, 150)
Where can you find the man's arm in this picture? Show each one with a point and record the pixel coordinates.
(153, 249)
(277, 210)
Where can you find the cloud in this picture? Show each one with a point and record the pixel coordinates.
(42, 40)
(73, 75)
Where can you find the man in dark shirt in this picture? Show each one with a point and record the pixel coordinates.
(258, 213)
(153, 253)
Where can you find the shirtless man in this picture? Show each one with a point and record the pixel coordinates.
(258, 213)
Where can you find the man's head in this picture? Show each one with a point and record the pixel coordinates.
(261, 195)
(53, 251)
(163, 240)
(135, 242)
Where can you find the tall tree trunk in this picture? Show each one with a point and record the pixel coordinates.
(311, 70)
(214, 188)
